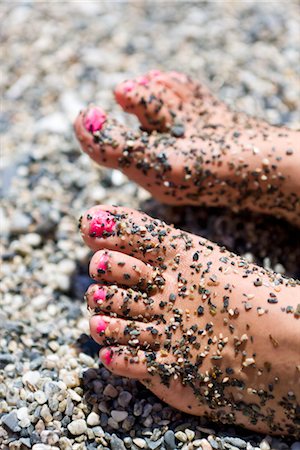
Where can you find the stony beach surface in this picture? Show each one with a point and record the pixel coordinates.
(56, 58)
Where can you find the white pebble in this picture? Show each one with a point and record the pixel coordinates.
(139, 442)
(33, 239)
(181, 436)
(31, 378)
(40, 397)
(77, 427)
(93, 419)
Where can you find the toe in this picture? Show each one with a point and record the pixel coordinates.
(103, 138)
(121, 302)
(113, 331)
(118, 268)
(127, 231)
(159, 100)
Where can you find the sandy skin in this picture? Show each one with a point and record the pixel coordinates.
(194, 150)
(206, 331)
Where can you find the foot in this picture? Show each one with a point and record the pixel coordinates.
(207, 332)
(192, 149)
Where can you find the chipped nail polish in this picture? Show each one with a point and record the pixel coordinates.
(102, 264)
(128, 86)
(142, 81)
(101, 325)
(99, 295)
(94, 119)
(108, 355)
(102, 224)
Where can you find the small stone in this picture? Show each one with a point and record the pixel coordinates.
(295, 446)
(124, 398)
(110, 391)
(46, 414)
(98, 431)
(203, 443)
(139, 442)
(264, 445)
(190, 434)
(31, 378)
(23, 417)
(181, 436)
(128, 441)
(169, 439)
(237, 442)
(41, 447)
(40, 397)
(11, 421)
(116, 443)
(93, 419)
(77, 427)
(33, 239)
(119, 416)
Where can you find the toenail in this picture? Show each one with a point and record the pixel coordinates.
(142, 81)
(94, 119)
(108, 355)
(128, 86)
(102, 224)
(101, 326)
(99, 295)
(102, 264)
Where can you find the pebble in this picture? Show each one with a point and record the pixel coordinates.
(119, 416)
(169, 439)
(124, 398)
(31, 377)
(140, 443)
(110, 391)
(181, 436)
(11, 421)
(116, 443)
(77, 427)
(295, 446)
(40, 397)
(264, 445)
(240, 443)
(93, 419)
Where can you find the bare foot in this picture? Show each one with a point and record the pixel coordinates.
(207, 332)
(194, 150)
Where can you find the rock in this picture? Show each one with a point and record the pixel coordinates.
(203, 443)
(53, 123)
(31, 377)
(139, 442)
(40, 397)
(295, 446)
(19, 223)
(119, 416)
(154, 445)
(11, 421)
(181, 436)
(93, 419)
(237, 442)
(98, 431)
(77, 427)
(110, 391)
(116, 443)
(190, 434)
(124, 398)
(169, 439)
(264, 445)
(33, 239)
(23, 417)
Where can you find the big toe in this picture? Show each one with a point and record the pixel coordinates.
(160, 100)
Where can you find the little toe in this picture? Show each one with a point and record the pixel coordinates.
(107, 330)
(118, 268)
(120, 302)
(127, 231)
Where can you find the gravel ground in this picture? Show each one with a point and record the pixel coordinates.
(56, 58)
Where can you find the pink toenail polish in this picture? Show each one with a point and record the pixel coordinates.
(102, 264)
(128, 86)
(102, 224)
(99, 295)
(108, 356)
(101, 325)
(94, 119)
(142, 81)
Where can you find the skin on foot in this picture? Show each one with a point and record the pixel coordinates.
(192, 149)
(207, 332)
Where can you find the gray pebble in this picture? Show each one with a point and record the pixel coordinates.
(11, 421)
(295, 446)
(169, 439)
(110, 391)
(116, 443)
(124, 398)
(235, 441)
